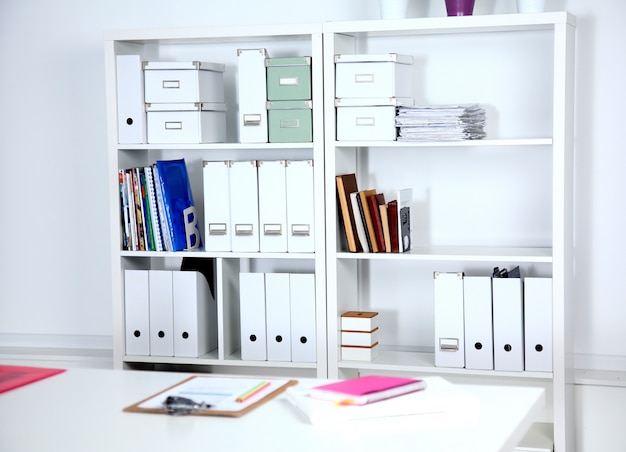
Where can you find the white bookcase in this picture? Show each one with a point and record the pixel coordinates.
(219, 45)
(502, 201)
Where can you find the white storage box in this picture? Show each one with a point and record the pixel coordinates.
(377, 75)
(368, 118)
(359, 321)
(182, 82)
(359, 338)
(359, 353)
(186, 123)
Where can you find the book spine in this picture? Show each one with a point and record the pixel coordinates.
(165, 224)
(124, 211)
(373, 203)
(343, 193)
(154, 210)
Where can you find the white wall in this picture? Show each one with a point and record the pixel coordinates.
(54, 266)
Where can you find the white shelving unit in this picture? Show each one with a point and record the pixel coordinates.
(502, 201)
(219, 45)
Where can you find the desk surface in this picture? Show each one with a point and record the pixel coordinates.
(81, 410)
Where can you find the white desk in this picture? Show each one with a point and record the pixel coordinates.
(81, 410)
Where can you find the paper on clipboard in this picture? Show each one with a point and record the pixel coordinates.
(219, 392)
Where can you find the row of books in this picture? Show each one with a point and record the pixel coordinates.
(371, 224)
(157, 208)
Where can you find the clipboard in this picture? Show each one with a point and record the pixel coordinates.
(220, 392)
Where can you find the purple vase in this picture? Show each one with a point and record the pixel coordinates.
(460, 7)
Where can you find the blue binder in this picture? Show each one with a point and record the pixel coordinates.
(180, 210)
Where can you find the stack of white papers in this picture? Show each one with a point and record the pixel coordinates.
(441, 122)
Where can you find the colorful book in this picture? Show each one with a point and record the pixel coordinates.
(367, 215)
(178, 204)
(346, 184)
(374, 202)
(358, 220)
(384, 219)
(392, 213)
(367, 389)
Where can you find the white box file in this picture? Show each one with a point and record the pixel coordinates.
(278, 316)
(300, 206)
(252, 316)
(186, 123)
(131, 112)
(272, 206)
(244, 206)
(508, 324)
(368, 118)
(359, 338)
(252, 95)
(161, 313)
(359, 353)
(303, 323)
(449, 320)
(376, 75)
(195, 315)
(538, 324)
(216, 186)
(137, 312)
(478, 322)
(183, 82)
(359, 321)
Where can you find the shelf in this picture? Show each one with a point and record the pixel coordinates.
(211, 359)
(513, 142)
(467, 254)
(214, 146)
(393, 360)
(451, 25)
(217, 254)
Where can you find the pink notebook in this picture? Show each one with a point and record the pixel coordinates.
(368, 389)
(12, 377)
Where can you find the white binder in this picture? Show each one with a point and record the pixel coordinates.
(137, 312)
(195, 315)
(478, 322)
(244, 206)
(508, 324)
(278, 317)
(449, 320)
(538, 324)
(272, 206)
(300, 207)
(131, 113)
(252, 94)
(217, 227)
(161, 313)
(252, 316)
(302, 299)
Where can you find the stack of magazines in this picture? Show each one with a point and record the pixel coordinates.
(441, 122)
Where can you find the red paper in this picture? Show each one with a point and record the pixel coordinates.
(12, 377)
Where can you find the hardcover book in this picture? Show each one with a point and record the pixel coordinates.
(374, 202)
(367, 389)
(367, 215)
(346, 184)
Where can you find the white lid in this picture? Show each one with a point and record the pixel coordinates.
(195, 106)
(374, 101)
(184, 65)
(374, 58)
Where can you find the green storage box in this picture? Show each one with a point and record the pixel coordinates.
(290, 121)
(288, 78)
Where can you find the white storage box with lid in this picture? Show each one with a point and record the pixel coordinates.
(186, 123)
(368, 118)
(182, 82)
(376, 75)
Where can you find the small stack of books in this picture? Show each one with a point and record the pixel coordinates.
(371, 224)
(441, 122)
(157, 208)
